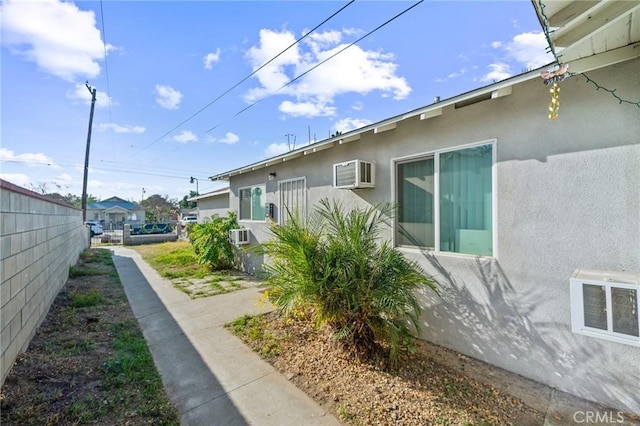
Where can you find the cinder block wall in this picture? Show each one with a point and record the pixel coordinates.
(39, 240)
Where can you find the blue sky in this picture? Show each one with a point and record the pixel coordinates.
(156, 64)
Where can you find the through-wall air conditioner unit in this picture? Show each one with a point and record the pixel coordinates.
(354, 174)
(239, 236)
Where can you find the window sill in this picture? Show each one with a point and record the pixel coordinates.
(629, 341)
(410, 249)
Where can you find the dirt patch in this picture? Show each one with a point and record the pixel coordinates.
(421, 391)
(88, 361)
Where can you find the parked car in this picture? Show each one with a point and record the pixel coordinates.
(95, 227)
(151, 228)
(189, 219)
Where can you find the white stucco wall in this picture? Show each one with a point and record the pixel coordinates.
(216, 204)
(568, 197)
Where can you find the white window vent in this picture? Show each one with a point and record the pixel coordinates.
(354, 174)
(239, 236)
(606, 305)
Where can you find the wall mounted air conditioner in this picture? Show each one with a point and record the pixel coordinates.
(354, 174)
(239, 236)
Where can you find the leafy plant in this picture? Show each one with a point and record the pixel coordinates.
(211, 243)
(337, 267)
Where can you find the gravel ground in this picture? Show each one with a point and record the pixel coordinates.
(420, 391)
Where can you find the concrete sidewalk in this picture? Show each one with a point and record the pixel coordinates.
(209, 374)
(215, 379)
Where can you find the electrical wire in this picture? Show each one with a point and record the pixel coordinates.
(179, 174)
(106, 72)
(318, 64)
(244, 79)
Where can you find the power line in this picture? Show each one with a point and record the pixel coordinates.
(319, 63)
(181, 174)
(245, 78)
(106, 70)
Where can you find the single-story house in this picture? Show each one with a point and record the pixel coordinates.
(210, 203)
(530, 226)
(115, 211)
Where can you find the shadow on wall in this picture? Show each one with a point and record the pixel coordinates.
(497, 323)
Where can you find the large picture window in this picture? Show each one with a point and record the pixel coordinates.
(252, 202)
(445, 201)
(292, 194)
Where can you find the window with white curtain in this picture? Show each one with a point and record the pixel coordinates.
(252, 203)
(606, 309)
(445, 200)
(292, 198)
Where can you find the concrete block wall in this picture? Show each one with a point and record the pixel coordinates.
(39, 240)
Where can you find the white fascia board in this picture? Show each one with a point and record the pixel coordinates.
(505, 91)
(350, 138)
(430, 114)
(604, 59)
(318, 148)
(594, 22)
(386, 127)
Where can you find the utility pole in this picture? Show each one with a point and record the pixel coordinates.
(86, 156)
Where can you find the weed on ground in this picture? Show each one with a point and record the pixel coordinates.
(88, 362)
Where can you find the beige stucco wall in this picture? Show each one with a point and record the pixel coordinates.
(568, 197)
(39, 240)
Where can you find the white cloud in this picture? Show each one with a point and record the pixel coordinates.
(307, 109)
(525, 50)
(211, 58)
(276, 149)
(357, 106)
(168, 97)
(229, 138)
(529, 49)
(65, 177)
(185, 136)
(19, 179)
(347, 124)
(81, 93)
(499, 71)
(117, 128)
(59, 37)
(352, 71)
(30, 159)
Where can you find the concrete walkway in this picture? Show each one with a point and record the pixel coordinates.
(209, 374)
(215, 379)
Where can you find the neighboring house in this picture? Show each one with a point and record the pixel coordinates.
(501, 206)
(116, 211)
(210, 203)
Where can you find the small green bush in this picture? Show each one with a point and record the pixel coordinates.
(211, 243)
(336, 267)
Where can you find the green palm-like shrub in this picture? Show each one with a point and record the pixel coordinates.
(211, 243)
(336, 267)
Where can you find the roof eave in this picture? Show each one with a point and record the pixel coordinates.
(496, 90)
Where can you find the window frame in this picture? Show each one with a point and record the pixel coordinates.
(263, 186)
(281, 211)
(577, 310)
(435, 154)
